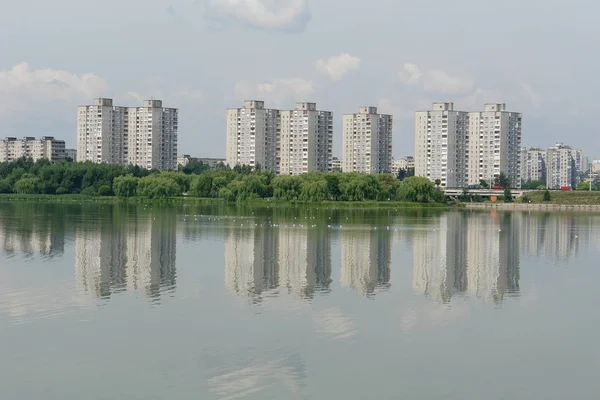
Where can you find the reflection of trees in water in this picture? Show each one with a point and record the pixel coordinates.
(32, 228)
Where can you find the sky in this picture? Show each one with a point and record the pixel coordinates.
(204, 56)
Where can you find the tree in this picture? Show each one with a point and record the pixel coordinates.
(547, 195)
(507, 195)
(158, 187)
(404, 173)
(27, 185)
(104, 190)
(533, 184)
(419, 189)
(586, 186)
(202, 186)
(484, 184)
(502, 180)
(125, 186)
(438, 182)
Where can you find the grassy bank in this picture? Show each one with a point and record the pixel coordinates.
(559, 197)
(78, 198)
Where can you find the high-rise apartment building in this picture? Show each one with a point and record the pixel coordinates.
(563, 166)
(367, 142)
(440, 145)
(288, 142)
(101, 132)
(462, 148)
(152, 136)
(533, 165)
(46, 147)
(144, 136)
(304, 140)
(494, 145)
(252, 135)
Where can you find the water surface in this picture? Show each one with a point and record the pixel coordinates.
(217, 302)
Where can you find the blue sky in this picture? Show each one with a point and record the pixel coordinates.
(204, 56)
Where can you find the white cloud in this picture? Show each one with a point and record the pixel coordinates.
(21, 86)
(435, 81)
(337, 67)
(410, 75)
(276, 92)
(269, 14)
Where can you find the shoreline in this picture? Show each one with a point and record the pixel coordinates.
(77, 198)
(533, 207)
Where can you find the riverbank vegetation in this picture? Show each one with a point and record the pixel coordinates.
(27, 178)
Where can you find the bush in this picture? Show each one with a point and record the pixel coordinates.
(507, 195)
(89, 191)
(28, 185)
(125, 186)
(61, 190)
(547, 195)
(525, 199)
(104, 190)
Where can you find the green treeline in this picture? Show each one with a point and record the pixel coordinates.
(238, 184)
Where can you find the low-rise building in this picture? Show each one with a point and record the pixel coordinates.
(47, 147)
(71, 153)
(402, 163)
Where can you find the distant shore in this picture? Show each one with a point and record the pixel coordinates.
(533, 206)
(78, 198)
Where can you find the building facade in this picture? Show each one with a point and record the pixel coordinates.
(71, 153)
(151, 136)
(145, 136)
(288, 142)
(533, 165)
(46, 147)
(463, 148)
(252, 135)
(304, 140)
(402, 163)
(563, 166)
(367, 142)
(440, 145)
(494, 145)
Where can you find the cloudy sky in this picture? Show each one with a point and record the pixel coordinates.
(203, 56)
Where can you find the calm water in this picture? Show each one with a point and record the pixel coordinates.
(114, 302)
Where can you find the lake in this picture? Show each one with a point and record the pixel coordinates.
(102, 301)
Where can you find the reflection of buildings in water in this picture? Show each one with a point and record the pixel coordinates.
(553, 236)
(366, 259)
(250, 264)
(476, 253)
(150, 261)
(440, 259)
(304, 259)
(114, 256)
(263, 258)
(39, 238)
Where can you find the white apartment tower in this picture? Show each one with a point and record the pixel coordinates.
(462, 148)
(144, 136)
(533, 165)
(101, 133)
(29, 147)
(152, 136)
(562, 165)
(440, 144)
(367, 142)
(252, 135)
(304, 140)
(494, 145)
